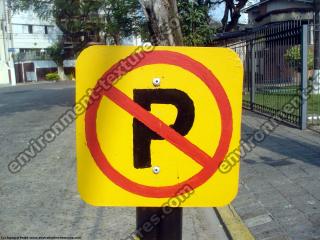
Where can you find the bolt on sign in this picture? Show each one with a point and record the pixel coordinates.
(157, 124)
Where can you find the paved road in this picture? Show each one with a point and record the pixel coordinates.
(42, 199)
(279, 194)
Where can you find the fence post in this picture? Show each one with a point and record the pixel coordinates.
(253, 75)
(304, 77)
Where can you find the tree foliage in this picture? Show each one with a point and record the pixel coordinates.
(84, 21)
(196, 24)
(56, 52)
(196, 21)
(164, 22)
(123, 18)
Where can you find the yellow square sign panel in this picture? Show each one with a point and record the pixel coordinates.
(158, 126)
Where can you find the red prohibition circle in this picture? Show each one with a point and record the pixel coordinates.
(198, 69)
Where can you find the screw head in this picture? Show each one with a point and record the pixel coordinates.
(156, 82)
(156, 170)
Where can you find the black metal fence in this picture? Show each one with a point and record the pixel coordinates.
(273, 66)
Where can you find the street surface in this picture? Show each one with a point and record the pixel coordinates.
(42, 199)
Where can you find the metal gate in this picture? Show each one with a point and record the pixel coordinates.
(274, 71)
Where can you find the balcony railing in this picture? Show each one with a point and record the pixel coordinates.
(30, 56)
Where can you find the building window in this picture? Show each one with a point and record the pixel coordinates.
(30, 29)
(46, 29)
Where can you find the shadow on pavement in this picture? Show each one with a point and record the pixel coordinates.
(280, 147)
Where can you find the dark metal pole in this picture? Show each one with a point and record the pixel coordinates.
(253, 75)
(316, 77)
(159, 223)
(304, 77)
(317, 35)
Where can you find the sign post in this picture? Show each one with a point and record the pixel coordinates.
(159, 129)
(168, 228)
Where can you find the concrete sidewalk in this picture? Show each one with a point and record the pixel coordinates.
(280, 183)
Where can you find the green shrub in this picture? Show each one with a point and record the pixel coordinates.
(293, 58)
(52, 76)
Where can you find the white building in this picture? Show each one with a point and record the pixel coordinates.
(32, 34)
(24, 37)
(6, 62)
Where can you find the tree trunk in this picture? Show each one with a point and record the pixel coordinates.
(224, 20)
(116, 39)
(316, 76)
(235, 14)
(163, 22)
(61, 73)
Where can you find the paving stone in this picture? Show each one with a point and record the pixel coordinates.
(311, 169)
(291, 190)
(278, 180)
(314, 218)
(278, 237)
(290, 218)
(267, 227)
(252, 212)
(248, 208)
(243, 201)
(293, 171)
(302, 231)
(267, 234)
(272, 199)
(258, 220)
(259, 186)
(312, 185)
(280, 212)
(306, 204)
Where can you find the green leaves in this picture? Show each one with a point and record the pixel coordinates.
(84, 21)
(196, 24)
(56, 53)
(123, 18)
(293, 57)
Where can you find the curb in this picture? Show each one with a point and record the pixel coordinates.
(233, 224)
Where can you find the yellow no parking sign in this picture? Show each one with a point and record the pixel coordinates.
(158, 124)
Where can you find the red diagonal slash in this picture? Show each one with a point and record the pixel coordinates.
(156, 125)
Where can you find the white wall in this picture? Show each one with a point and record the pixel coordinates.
(3, 67)
(38, 39)
(4, 76)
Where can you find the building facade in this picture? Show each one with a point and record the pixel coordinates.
(31, 34)
(31, 37)
(271, 11)
(6, 61)
(24, 39)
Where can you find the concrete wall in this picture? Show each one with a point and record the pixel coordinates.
(284, 4)
(277, 5)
